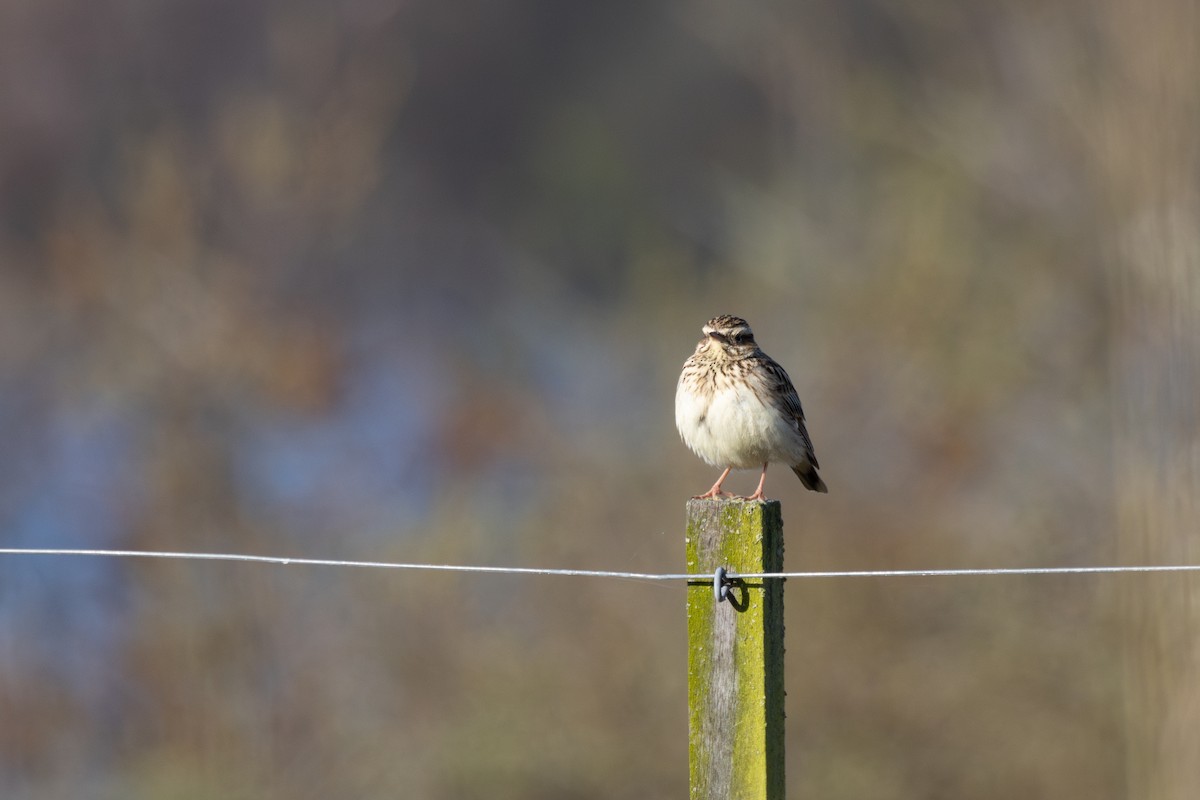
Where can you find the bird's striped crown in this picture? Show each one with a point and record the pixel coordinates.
(729, 330)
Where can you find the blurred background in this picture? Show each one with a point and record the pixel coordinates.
(413, 281)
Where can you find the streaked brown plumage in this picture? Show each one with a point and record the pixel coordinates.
(736, 408)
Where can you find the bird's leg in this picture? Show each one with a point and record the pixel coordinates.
(715, 491)
(758, 495)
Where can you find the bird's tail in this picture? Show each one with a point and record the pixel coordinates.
(807, 474)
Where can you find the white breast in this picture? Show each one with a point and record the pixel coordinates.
(733, 428)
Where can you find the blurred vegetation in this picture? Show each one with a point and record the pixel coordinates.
(413, 281)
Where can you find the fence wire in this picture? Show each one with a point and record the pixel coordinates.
(597, 573)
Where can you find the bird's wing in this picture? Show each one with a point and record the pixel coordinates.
(781, 390)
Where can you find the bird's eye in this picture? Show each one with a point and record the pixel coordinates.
(741, 337)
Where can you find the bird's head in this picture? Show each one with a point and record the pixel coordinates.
(727, 337)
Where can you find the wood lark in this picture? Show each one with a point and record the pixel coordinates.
(736, 408)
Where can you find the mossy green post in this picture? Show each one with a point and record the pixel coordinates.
(735, 652)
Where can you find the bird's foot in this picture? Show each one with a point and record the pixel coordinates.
(714, 494)
(758, 493)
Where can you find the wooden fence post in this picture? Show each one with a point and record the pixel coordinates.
(735, 652)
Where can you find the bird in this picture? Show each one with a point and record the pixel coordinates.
(736, 408)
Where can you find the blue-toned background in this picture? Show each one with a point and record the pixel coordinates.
(413, 281)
